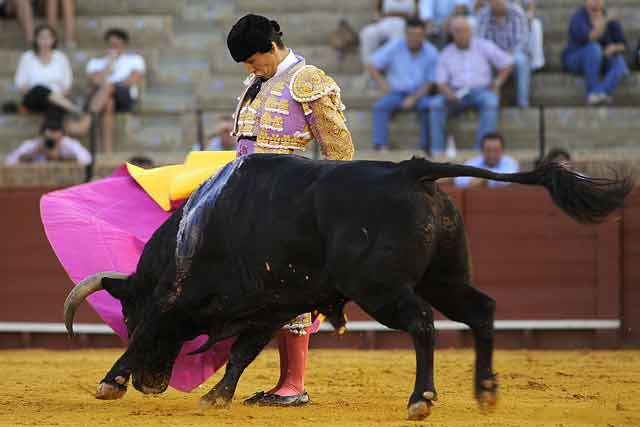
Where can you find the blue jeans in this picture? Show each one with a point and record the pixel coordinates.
(484, 100)
(588, 62)
(523, 78)
(386, 106)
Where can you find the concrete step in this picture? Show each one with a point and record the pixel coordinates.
(129, 7)
(151, 134)
(549, 89)
(362, 6)
(208, 10)
(276, 7)
(611, 4)
(316, 26)
(571, 128)
(163, 100)
(326, 57)
(181, 68)
(609, 131)
(144, 30)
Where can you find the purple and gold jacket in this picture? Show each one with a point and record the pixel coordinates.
(290, 110)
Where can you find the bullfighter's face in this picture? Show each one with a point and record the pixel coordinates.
(263, 65)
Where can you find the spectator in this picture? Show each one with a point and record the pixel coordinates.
(536, 36)
(44, 77)
(116, 79)
(222, 138)
(492, 158)
(438, 14)
(23, 11)
(141, 161)
(505, 24)
(390, 17)
(69, 13)
(465, 78)
(559, 155)
(596, 42)
(409, 65)
(344, 39)
(51, 146)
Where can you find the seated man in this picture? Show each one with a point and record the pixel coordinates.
(492, 158)
(596, 43)
(465, 79)
(52, 146)
(222, 138)
(116, 80)
(409, 64)
(506, 24)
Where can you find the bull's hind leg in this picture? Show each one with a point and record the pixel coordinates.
(246, 348)
(463, 303)
(405, 311)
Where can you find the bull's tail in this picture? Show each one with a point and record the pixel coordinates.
(586, 199)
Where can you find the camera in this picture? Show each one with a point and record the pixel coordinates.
(49, 144)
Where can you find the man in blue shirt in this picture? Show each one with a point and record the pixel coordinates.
(596, 39)
(492, 158)
(409, 66)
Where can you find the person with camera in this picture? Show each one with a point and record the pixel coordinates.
(51, 146)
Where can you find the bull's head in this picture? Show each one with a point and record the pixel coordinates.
(152, 326)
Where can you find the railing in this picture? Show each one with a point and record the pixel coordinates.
(199, 117)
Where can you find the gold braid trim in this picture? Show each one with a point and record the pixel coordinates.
(310, 83)
(329, 128)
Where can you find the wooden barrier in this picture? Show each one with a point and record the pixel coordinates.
(535, 261)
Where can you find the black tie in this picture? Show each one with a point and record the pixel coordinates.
(253, 90)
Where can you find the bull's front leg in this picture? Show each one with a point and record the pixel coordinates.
(114, 384)
(246, 348)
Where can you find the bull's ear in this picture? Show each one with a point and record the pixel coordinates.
(120, 289)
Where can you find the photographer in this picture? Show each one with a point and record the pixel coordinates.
(52, 146)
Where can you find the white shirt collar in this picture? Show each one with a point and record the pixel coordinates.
(287, 62)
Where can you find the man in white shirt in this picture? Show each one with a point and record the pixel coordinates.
(52, 146)
(389, 17)
(492, 158)
(116, 78)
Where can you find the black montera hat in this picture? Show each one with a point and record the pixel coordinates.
(250, 35)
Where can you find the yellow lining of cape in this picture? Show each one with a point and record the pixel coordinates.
(172, 183)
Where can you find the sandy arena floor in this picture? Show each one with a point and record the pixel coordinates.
(348, 388)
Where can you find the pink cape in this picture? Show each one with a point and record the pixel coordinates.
(103, 226)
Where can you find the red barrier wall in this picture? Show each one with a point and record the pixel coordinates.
(631, 272)
(535, 261)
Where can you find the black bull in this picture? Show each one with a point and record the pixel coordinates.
(289, 235)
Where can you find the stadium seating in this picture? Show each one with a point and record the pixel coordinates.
(184, 45)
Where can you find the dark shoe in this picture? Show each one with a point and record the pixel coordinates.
(275, 400)
(255, 398)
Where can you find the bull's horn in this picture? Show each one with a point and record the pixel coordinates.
(81, 291)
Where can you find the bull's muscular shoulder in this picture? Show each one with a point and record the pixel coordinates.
(310, 83)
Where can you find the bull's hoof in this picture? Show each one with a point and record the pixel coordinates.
(213, 400)
(107, 391)
(487, 395)
(419, 411)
